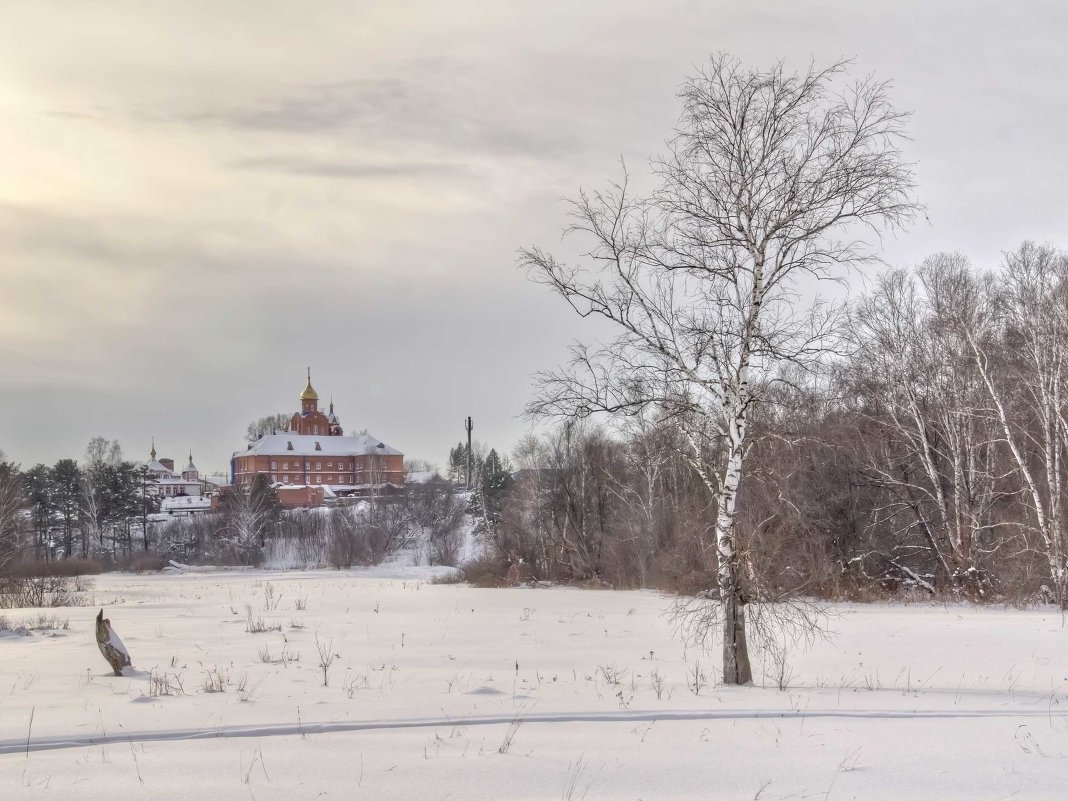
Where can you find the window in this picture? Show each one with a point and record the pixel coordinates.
(285, 465)
(274, 465)
(285, 479)
(318, 465)
(329, 464)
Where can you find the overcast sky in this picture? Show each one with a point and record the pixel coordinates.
(199, 199)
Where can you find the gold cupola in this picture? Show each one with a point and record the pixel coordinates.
(309, 393)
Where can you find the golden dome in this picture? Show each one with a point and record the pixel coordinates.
(309, 393)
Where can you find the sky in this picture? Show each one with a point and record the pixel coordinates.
(198, 200)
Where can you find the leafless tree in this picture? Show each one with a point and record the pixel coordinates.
(437, 515)
(1030, 313)
(12, 502)
(771, 177)
(932, 444)
(271, 424)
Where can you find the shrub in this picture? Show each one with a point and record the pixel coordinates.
(144, 563)
(486, 571)
(40, 591)
(346, 547)
(56, 567)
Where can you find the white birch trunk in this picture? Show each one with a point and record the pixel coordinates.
(736, 668)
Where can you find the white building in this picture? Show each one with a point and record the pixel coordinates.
(166, 483)
(184, 505)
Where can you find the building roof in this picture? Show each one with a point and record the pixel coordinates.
(156, 467)
(309, 393)
(305, 445)
(424, 477)
(185, 502)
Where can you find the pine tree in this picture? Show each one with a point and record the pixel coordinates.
(493, 477)
(458, 463)
(66, 487)
(494, 474)
(249, 516)
(39, 494)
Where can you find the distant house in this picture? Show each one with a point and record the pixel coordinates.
(185, 505)
(297, 497)
(425, 477)
(164, 482)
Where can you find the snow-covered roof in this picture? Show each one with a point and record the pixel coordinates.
(185, 502)
(424, 476)
(155, 466)
(187, 482)
(305, 445)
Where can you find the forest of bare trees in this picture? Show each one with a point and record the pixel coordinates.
(926, 455)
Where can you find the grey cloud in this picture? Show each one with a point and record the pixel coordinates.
(317, 107)
(385, 111)
(140, 244)
(430, 103)
(323, 168)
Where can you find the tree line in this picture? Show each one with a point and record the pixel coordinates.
(758, 443)
(70, 509)
(928, 453)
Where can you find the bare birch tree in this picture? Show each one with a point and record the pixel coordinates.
(931, 444)
(1029, 393)
(771, 177)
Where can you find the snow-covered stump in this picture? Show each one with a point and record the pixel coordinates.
(110, 645)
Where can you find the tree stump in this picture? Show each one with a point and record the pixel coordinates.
(110, 645)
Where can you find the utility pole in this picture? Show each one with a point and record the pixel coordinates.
(468, 425)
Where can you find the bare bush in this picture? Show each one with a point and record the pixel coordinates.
(40, 591)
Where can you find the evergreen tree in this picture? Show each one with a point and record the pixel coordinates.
(39, 494)
(119, 488)
(249, 515)
(492, 479)
(66, 487)
(458, 463)
(494, 473)
(265, 500)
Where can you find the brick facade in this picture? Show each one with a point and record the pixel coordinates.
(315, 452)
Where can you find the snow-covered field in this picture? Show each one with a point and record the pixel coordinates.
(448, 692)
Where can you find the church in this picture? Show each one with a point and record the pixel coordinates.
(315, 452)
(166, 482)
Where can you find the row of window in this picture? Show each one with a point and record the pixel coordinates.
(341, 479)
(307, 465)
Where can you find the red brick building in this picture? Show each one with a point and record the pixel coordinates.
(315, 452)
(309, 420)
